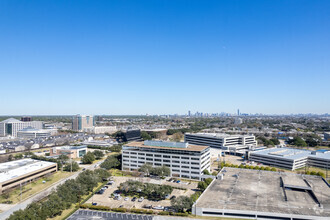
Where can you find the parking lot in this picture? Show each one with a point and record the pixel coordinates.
(105, 200)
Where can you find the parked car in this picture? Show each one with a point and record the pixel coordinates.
(126, 199)
(158, 207)
(147, 206)
(141, 199)
(83, 169)
(134, 199)
(121, 206)
(178, 181)
(173, 197)
(167, 196)
(94, 203)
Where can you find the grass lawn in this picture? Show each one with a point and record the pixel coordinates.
(35, 187)
(116, 172)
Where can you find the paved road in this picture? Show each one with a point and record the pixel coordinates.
(39, 196)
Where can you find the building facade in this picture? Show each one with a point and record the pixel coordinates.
(11, 126)
(101, 129)
(18, 172)
(71, 151)
(30, 133)
(237, 144)
(81, 122)
(290, 158)
(184, 160)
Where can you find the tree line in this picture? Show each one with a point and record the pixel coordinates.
(71, 192)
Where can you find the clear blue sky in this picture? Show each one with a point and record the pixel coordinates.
(156, 57)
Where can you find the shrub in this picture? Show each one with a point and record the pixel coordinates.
(181, 214)
(141, 211)
(321, 174)
(119, 209)
(163, 213)
(313, 173)
(273, 169)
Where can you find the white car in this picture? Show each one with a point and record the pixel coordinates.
(126, 199)
(141, 199)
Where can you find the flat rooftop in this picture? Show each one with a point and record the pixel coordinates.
(261, 191)
(291, 153)
(218, 135)
(13, 169)
(71, 147)
(190, 147)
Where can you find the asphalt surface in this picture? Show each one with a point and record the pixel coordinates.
(82, 214)
(41, 195)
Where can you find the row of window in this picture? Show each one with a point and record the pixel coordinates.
(159, 155)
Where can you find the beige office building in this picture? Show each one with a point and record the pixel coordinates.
(18, 172)
(82, 122)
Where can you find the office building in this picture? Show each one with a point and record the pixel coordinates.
(30, 133)
(26, 118)
(132, 135)
(72, 152)
(11, 126)
(101, 129)
(290, 158)
(81, 122)
(185, 160)
(235, 144)
(327, 136)
(256, 194)
(18, 172)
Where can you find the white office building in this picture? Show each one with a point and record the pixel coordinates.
(185, 160)
(237, 144)
(101, 129)
(11, 126)
(30, 133)
(290, 158)
(81, 122)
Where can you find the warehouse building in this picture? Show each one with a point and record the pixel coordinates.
(184, 160)
(256, 194)
(18, 172)
(235, 144)
(290, 158)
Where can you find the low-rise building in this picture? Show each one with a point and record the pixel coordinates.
(236, 144)
(30, 133)
(101, 129)
(18, 172)
(290, 158)
(185, 160)
(71, 151)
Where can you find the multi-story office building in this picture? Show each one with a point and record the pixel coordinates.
(30, 133)
(11, 126)
(81, 122)
(228, 143)
(290, 158)
(185, 160)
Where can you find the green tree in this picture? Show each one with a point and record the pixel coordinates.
(145, 135)
(63, 158)
(88, 158)
(201, 185)
(111, 162)
(299, 142)
(146, 169)
(98, 154)
(206, 172)
(275, 141)
(208, 181)
(73, 166)
(161, 171)
(181, 203)
(18, 156)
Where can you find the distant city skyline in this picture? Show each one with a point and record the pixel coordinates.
(164, 57)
